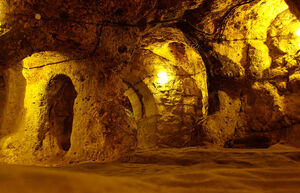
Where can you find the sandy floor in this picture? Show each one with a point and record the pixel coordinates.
(164, 171)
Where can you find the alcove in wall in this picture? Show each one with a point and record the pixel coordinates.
(61, 96)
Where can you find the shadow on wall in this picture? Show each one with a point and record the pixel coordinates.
(294, 7)
(61, 95)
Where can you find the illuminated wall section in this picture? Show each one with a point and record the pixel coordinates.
(55, 95)
(176, 76)
(3, 9)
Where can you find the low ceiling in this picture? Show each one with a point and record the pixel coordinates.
(30, 26)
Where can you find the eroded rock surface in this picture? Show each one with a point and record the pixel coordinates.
(193, 71)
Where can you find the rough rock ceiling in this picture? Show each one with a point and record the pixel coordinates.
(30, 26)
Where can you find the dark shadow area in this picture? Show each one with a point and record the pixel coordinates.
(62, 94)
(125, 102)
(2, 99)
(144, 110)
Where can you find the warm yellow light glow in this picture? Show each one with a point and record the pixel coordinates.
(37, 16)
(298, 32)
(162, 77)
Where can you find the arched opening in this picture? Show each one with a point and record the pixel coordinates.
(61, 97)
(144, 110)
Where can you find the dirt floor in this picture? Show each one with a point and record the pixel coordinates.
(276, 169)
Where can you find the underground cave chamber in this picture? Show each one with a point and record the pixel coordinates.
(78, 88)
(152, 96)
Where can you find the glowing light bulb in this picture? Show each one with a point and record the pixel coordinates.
(37, 16)
(298, 32)
(162, 77)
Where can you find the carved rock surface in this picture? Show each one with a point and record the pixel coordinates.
(95, 80)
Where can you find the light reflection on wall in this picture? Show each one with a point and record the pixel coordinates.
(298, 34)
(2, 11)
(162, 77)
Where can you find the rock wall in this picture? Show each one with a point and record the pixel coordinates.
(182, 99)
(94, 80)
(12, 94)
(252, 68)
(100, 128)
(72, 114)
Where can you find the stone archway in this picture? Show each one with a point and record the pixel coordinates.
(61, 96)
(144, 111)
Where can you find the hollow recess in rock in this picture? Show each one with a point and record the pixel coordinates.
(61, 95)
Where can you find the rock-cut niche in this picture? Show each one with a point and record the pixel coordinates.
(61, 96)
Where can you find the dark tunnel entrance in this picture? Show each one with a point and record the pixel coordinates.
(61, 99)
(125, 102)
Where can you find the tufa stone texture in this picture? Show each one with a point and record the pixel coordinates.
(79, 80)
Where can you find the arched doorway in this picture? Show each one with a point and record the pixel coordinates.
(61, 96)
(144, 110)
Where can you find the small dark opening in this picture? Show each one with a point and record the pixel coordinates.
(2, 82)
(214, 103)
(61, 99)
(125, 102)
(120, 12)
